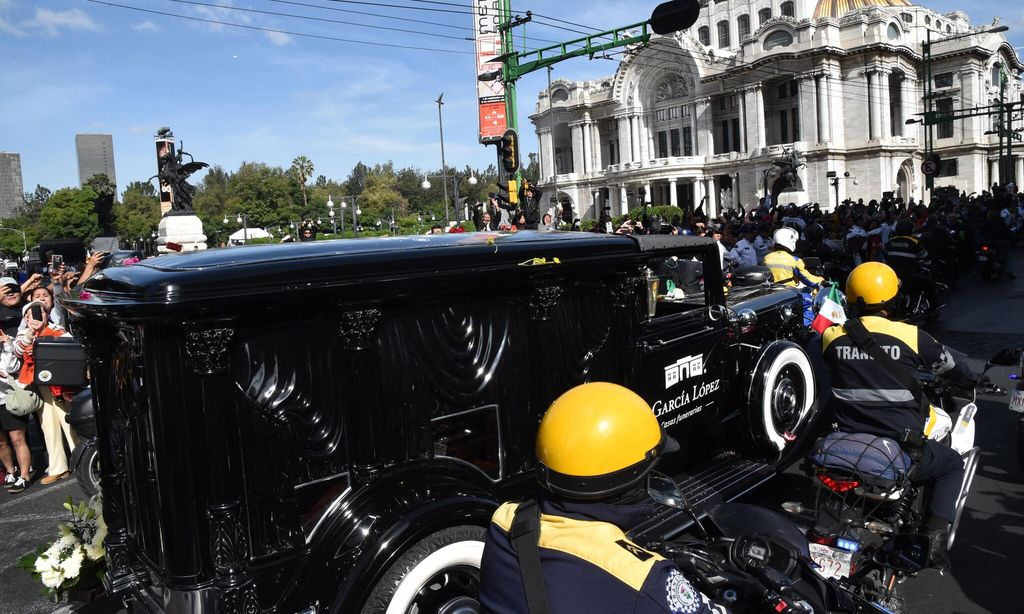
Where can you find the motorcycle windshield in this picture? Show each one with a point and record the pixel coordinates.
(736, 519)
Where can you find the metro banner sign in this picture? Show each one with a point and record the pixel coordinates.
(490, 94)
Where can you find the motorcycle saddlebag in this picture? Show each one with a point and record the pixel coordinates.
(876, 461)
(60, 361)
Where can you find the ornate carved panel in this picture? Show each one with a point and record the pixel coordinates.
(207, 347)
(625, 290)
(357, 328)
(543, 301)
(229, 545)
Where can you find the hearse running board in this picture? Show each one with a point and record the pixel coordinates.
(723, 479)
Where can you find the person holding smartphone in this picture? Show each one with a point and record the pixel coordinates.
(52, 418)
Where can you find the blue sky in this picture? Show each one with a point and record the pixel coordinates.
(234, 95)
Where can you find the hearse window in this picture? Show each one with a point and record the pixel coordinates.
(680, 284)
(471, 436)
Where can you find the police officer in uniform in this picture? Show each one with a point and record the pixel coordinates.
(568, 551)
(904, 251)
(743, 253)
(868, 398)
(789, 270)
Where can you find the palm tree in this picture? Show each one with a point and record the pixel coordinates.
(302, 169)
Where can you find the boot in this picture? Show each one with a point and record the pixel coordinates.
(939, 553)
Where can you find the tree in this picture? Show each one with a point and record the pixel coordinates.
(70, 212)
(265, 193)
(138, 213)
(34, 202)
(302, 170)
(357, 178)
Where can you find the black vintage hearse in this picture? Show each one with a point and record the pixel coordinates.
(327, 427)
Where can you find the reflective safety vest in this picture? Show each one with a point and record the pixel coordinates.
(789, 270)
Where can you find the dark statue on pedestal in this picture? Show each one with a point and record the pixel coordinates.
(173, 173)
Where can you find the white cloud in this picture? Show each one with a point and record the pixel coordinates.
(8, 28)
(219, 13)
(279, 39)
(55, 21)
(146, 26)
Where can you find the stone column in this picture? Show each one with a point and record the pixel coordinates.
(742, 103)
(702, 124)
(641, 124)
(1019, 171)
(576, 132)
(836, 106)
(808, 108)
(910, 103)
(588, 162)
(885, 102)
(623, 200)
(647, 193)
(875, 105)
(624, 147)
(547, 154)
(634, 138)
(824, 133)
(712, 192)
(673, 193)
(760, 123)
(699, 192)
(595, 141)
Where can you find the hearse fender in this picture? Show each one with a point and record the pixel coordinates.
(376, 523)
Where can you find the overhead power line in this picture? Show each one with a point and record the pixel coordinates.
(279, 31)
(228, 7)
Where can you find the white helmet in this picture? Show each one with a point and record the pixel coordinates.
(786, 237)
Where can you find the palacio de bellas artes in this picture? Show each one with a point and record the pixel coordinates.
(711, 115)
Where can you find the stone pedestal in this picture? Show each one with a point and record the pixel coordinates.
(185, 230)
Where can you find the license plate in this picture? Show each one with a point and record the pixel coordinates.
(832, 562)
(1017, 402)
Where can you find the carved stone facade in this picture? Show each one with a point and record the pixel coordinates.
(699, 117)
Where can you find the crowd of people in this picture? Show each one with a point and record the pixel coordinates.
(29, 310)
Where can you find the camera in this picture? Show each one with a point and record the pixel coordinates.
(57, 261)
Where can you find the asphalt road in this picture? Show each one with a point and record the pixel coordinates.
(987, 560)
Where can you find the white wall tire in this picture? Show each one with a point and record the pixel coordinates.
(781, 395)
(442, 569)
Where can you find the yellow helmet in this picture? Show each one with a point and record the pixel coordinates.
(872, 284)
(597, 440)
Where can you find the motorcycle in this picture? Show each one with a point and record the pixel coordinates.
(866, 508)
(991, 262)
(85, 463)
(751, 559)
(921, 298)
(1014, 357)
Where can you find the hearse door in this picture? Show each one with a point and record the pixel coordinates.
(682, 359)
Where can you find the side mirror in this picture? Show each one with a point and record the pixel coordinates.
(906, 552)
(1008, 357)
(665, 491)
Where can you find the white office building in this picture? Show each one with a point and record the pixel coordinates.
(701, 116)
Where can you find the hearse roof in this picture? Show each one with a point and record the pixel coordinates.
(262, 269)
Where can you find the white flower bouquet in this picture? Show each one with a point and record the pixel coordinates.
(76, 559)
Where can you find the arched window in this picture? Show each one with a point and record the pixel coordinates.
(787, 9)
(893, 32)
(927, 20)
(997, 74)
(559, 95)
(743, 24)
(907, 17)
(704, 35)
(778, 38)
(723, 34)
(949, 29)
(763, 15)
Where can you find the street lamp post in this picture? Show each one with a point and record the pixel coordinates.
(444, 168)
(455, 177)
(24, 241)
(330, 213)
(243, 219)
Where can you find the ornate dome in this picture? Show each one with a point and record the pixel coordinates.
(838, 8)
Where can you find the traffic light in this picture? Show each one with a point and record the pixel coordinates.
(508, 151)
(509, 193)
